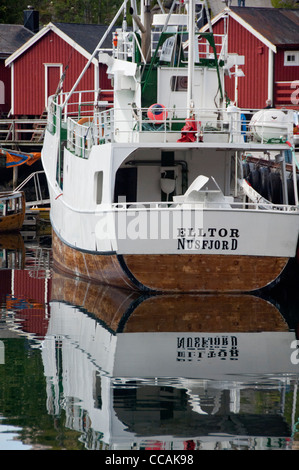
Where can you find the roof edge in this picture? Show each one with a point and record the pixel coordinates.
(227, 11)
(49, 27)
(27, 44)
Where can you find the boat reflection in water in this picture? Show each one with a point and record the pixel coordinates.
(12, 251)
(170, 371)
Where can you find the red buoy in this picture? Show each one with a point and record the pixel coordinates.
(157, 112)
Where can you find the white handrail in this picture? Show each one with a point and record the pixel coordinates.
(38, 192)
(212, 205)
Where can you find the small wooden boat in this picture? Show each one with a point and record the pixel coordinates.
(12, 210)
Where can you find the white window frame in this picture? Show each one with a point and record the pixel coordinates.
(291, 63)
(2, 92)
(47, 66)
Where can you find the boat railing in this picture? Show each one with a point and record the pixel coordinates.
(88, 120)
(81, 104)
(10, 203)
(125, 44)
(135, 125)
(243, 204)
(204, 51)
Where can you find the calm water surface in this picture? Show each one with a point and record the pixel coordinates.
(87, 367)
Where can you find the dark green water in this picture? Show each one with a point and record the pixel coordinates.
(78, 372)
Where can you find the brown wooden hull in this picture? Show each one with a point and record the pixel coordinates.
(170, 273)
(13, 221)
(131, 312)
(12, 241)
(10, 223)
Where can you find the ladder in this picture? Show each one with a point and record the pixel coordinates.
(39, 128)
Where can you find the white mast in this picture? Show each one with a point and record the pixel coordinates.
(193, 42)
(191, 28)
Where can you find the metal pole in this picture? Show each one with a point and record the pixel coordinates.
(15, 177)
(294, 176)
(191, 14)
(208, 15)
(95, 52)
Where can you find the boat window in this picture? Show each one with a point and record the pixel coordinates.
(99, 186)
(59, 168)
(179, 83)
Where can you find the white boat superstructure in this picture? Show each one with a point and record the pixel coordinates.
(150, 194)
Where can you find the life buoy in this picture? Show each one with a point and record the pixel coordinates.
(157, 112)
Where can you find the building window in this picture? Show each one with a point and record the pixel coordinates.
(291, 58)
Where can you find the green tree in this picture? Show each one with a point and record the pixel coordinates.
(10, 13)
(285, 3)
(65, 11)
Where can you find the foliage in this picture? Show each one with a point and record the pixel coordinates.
(24, 399)
(285, 3)
(10, 13)
(78, 11)
(65, 11)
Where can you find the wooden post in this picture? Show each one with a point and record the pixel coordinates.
(15, 177)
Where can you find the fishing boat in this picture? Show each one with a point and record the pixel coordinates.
(150, 194)
(207, 336)
(122, 352)
(12, 210)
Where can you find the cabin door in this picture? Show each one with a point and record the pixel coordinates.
(53, 73)
(126, 185)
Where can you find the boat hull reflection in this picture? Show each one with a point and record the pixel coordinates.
(125, 311)
(169, 371)
(12, 251)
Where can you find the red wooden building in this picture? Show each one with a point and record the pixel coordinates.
(268, 38)
(57, 49)
(12, 37)
(26, 298)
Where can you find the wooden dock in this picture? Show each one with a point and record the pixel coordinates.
(22, 133)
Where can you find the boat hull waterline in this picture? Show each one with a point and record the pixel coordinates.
(170, 272)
